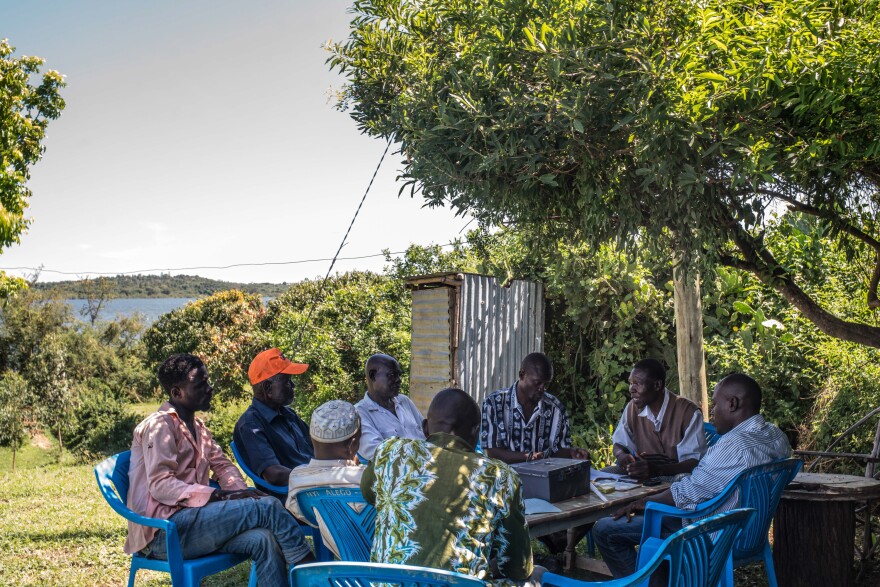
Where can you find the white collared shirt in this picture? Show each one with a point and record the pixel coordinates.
(692, 445)
(379, 424)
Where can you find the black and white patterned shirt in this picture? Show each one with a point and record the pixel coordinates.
(504, 425)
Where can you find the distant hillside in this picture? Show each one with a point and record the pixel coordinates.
(161, 286)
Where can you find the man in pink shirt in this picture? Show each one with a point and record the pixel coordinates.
(172, 457)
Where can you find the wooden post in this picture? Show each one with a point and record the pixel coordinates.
(689, 340)
(813, 543)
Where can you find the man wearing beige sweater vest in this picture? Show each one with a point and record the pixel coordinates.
(659, 434)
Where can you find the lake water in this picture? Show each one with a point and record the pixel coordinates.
(149, 308)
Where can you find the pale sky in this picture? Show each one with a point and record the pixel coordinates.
(200, 133)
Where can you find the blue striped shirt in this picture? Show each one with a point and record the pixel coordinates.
(751, 443)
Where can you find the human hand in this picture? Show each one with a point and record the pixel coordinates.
(580, 453)
(625, 459)
(629, 510)
(639, 469)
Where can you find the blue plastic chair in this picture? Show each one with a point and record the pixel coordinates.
(698, 555)
(279, 491)
(711, 433)
(347, 574)
(350, 520)
(258, 481)
(112, 476)
(759, 488)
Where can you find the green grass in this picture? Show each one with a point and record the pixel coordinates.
(144, 409)
(27, 457)
(56, 529)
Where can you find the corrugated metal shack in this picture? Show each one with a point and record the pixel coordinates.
(470, 332)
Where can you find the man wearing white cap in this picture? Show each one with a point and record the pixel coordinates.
(271, 438)
(336, 433)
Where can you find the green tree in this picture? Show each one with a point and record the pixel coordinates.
(357, 314)
(25, 111)
(14, 412)
(669, 124)
(53, 397)
(222, 329)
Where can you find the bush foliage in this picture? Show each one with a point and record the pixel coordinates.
(606, 308)
(77, 379)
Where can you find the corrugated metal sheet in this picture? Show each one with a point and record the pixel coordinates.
(431, 363)
(470, 332)
(497, 327)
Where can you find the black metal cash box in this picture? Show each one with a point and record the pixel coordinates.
(554, 479)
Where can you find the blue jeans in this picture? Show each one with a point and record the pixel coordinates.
(259, 528)
(617, 541)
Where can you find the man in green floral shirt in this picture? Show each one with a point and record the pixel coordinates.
(440, 504)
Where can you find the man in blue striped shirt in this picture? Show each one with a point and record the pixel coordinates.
(747, 441)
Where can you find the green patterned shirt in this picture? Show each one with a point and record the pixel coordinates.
(441, 505)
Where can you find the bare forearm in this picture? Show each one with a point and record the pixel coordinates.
(508, 456)
(276, 475)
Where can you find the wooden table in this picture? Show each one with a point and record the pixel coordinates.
(814, 529)
(581, 510)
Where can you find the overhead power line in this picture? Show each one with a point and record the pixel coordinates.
(232, 266)
(339, 250)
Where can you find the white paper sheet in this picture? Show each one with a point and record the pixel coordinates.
(539, 506)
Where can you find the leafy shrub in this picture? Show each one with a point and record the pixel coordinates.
(222, 418)
(100, 425)
(357, 314)
(15, 418)
(223, 330)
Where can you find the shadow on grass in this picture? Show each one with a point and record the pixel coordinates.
(79, 534)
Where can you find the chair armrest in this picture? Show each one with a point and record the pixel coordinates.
(131, 516)
(655, 512)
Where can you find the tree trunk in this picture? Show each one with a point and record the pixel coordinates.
(689, 341)
(813, 543)
(13, 458)
(60, 444)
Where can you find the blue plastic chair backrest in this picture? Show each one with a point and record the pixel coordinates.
(697, 554)
(258, 481)
(112, 476)
(348, 574)
(760, 488)
(350, 520)
(711, 433)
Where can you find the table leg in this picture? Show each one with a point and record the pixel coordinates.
(813, 543)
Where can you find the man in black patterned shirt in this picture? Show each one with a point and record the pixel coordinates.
(523, 422)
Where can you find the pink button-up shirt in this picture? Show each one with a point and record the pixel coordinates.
(170, 471)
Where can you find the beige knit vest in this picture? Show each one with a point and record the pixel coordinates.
(679, 412)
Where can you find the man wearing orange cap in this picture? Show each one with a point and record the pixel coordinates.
(270, 437)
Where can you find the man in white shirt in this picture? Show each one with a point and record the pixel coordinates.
(384, 412)
(659, 433)
(747, 441)
(335, 430)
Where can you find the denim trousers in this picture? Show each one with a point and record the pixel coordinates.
(259, 528)
(617, 541)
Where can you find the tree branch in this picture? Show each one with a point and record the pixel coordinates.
(759, 261)
(845, 226)
(835, 219)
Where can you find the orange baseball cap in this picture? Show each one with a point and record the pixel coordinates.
(270, 363)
